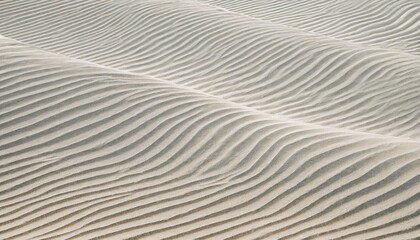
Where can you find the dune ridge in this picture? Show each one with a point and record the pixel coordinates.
(271, 68)
(207, 120)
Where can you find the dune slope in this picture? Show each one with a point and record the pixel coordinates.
(187, 119)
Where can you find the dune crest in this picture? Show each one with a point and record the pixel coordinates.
(208, 119)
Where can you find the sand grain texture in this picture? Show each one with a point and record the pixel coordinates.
(208, 119)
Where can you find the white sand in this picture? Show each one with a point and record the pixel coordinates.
(209, 119)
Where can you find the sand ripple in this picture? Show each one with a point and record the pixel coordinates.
(209, 119)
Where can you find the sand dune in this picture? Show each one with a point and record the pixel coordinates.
(383, 23)
(207, 119)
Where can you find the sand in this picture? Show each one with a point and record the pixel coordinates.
(209, 119)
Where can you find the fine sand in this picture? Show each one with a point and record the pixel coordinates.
(209, 119)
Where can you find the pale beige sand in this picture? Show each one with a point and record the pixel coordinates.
(202, 119)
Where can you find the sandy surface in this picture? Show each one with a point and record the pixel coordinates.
(202, 119)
